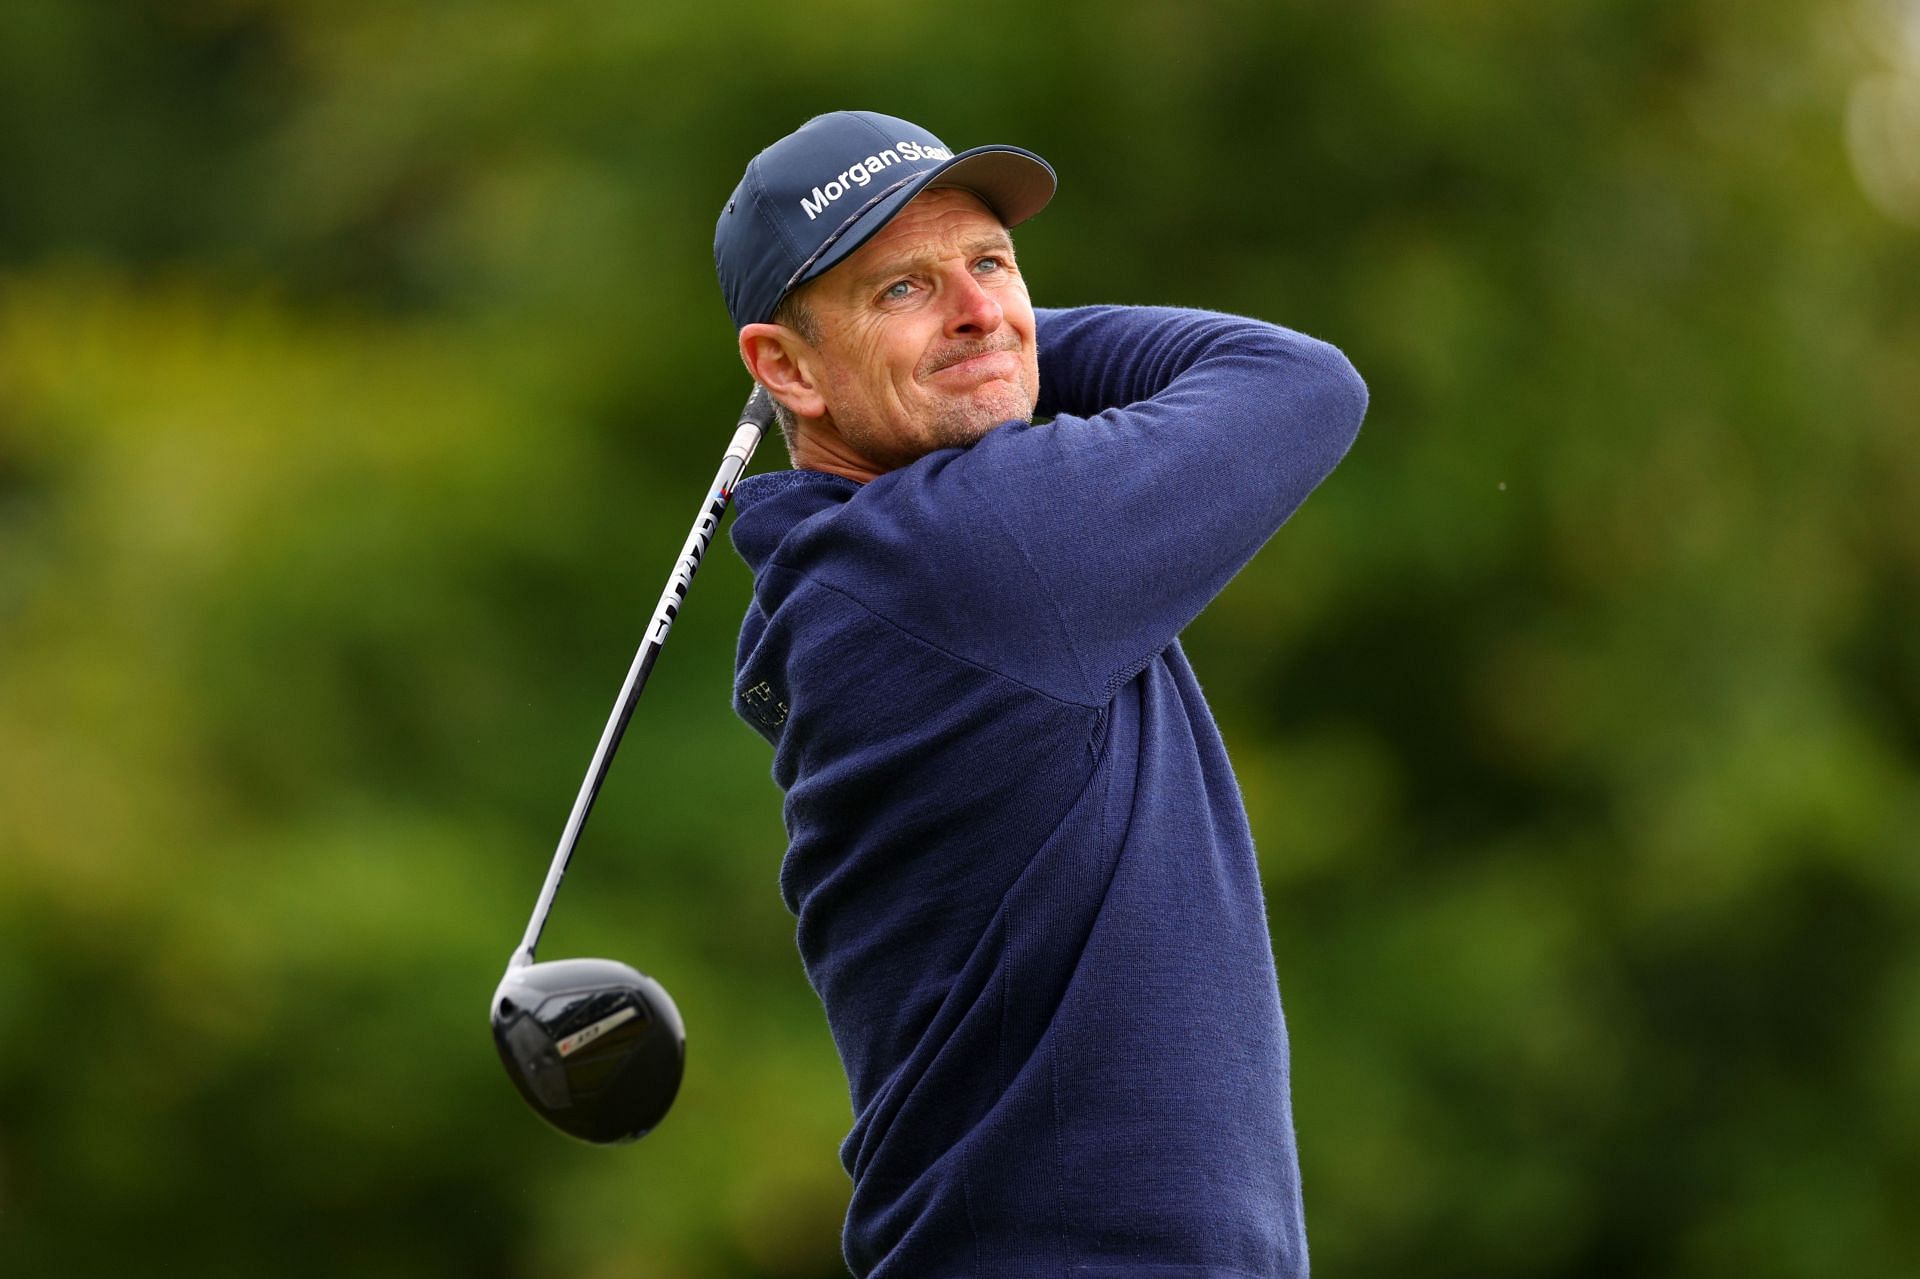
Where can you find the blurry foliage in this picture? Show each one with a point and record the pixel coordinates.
(360, 369)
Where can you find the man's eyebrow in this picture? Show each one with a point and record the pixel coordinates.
(987, 242)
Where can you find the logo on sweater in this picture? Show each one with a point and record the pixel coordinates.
(765, 708)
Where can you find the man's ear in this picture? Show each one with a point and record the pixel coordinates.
(783, 362)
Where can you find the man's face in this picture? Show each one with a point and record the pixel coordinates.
(926, 333)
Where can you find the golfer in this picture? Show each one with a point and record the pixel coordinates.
(1025, 887)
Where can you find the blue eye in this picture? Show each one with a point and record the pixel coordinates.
(896, 290)
(989, 263)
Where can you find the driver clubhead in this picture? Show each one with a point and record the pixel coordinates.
(593, 1045)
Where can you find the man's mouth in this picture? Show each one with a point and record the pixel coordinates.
(994, 362)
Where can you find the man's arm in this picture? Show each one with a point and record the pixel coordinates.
(1067, 554)
(1183, 440)
(1094, 358)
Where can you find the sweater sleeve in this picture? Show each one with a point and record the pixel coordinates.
(1066, 554)
(1181, 442)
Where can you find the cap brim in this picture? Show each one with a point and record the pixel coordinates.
(1013, 182)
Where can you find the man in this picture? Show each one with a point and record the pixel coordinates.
(1025, 888)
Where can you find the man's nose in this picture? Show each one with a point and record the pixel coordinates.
(971, 310)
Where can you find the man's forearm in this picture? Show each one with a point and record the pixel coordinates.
(1095, 358)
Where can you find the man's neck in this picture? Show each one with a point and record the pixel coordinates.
(818, 447)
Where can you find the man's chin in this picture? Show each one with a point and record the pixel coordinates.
(987, 407)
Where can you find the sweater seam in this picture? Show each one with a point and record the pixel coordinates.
(1212, 1270)
(1059, 614)
(938, 648)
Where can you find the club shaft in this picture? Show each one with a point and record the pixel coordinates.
(754, 420)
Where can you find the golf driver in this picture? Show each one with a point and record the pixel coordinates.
(594, 1046)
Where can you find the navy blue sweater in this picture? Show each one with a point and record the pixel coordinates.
(1025, 888)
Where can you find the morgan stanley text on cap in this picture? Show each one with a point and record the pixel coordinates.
(812, 198)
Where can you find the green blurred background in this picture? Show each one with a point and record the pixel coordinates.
(361, 368)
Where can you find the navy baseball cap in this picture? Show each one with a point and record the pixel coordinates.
(812, 198)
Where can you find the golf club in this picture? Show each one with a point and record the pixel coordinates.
(596, 1047)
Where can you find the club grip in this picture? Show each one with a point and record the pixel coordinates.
(759, 410)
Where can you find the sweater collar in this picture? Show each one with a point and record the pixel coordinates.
(768, 505)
